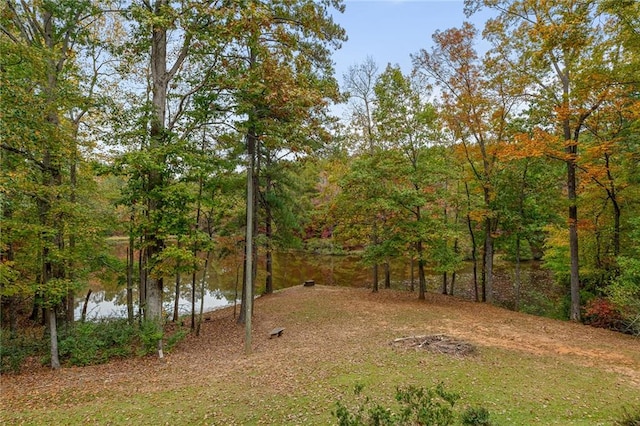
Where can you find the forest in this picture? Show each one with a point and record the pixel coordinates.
(192, 130)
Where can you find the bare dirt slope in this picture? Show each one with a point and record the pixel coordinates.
(335, 322)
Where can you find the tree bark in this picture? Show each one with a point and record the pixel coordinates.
(130, 260)
(387, 275)
(247, 303)
(53, 337)
(474, 256)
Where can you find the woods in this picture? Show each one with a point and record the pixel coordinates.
(201, 129)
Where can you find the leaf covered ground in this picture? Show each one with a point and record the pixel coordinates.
(524, 369)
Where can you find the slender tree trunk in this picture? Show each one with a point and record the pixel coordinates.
(456, 250)
(387, 275)
(474, 255)
(130, 261)
(53, 337)
(413, 280)
(488, 262)
(71, 296)
(444, 282)
(83, 317)
(176, 302)
(518, 279)
(205, 275)
(142, 282)
(247, 303)
(194, 252)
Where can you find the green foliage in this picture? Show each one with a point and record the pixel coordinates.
(15, 349)
(416, 406)
(175, 338)
(150, 336)
(624, 293)
(476, 416)
(88, 343)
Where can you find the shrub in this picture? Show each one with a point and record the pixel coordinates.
(476, 416)
(150, 335)
(15, 349)
(602, 313)
(624, 291)
(417, 406)
(175, 338)
(87, 343)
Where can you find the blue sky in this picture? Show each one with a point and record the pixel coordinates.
(392, 30)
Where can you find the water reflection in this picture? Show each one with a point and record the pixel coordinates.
(101, 306)
(224, 281)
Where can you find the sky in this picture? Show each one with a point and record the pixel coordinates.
(391, 30)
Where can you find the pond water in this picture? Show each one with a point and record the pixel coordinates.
(538, 293)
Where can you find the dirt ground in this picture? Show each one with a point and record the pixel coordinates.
(340, 319)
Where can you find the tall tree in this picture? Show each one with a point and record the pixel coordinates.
(560, 54)
(43, 103)
(280, 77)
(406, 126)
(359, 82)
(477, 103)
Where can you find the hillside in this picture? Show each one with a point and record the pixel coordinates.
(525, 370)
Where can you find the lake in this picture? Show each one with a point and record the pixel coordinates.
(538, 293)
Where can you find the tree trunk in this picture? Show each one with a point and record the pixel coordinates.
(387, 275)
(83, 317)
(53, 337)
(176, 302)
(142, 283)
(154, 242)
(518, 279)
(247, 302)
(487, 273)
(130, 260)
(421, 275)
(444, 282)
(413, 281)
(194, 252)
(205, 274)
(474, 255)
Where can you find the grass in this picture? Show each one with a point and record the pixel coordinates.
(330, 345)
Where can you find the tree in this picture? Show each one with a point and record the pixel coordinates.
(406, 128)
(44, 103)
(280, 79)
(477, 104)
(359, 83)
(562, 57)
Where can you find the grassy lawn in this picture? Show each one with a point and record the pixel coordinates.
(334, 340)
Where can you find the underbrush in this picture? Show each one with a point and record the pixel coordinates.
(415, 406)
(15, 349)
(88, 343)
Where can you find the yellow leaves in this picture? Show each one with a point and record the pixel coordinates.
(632, 111)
